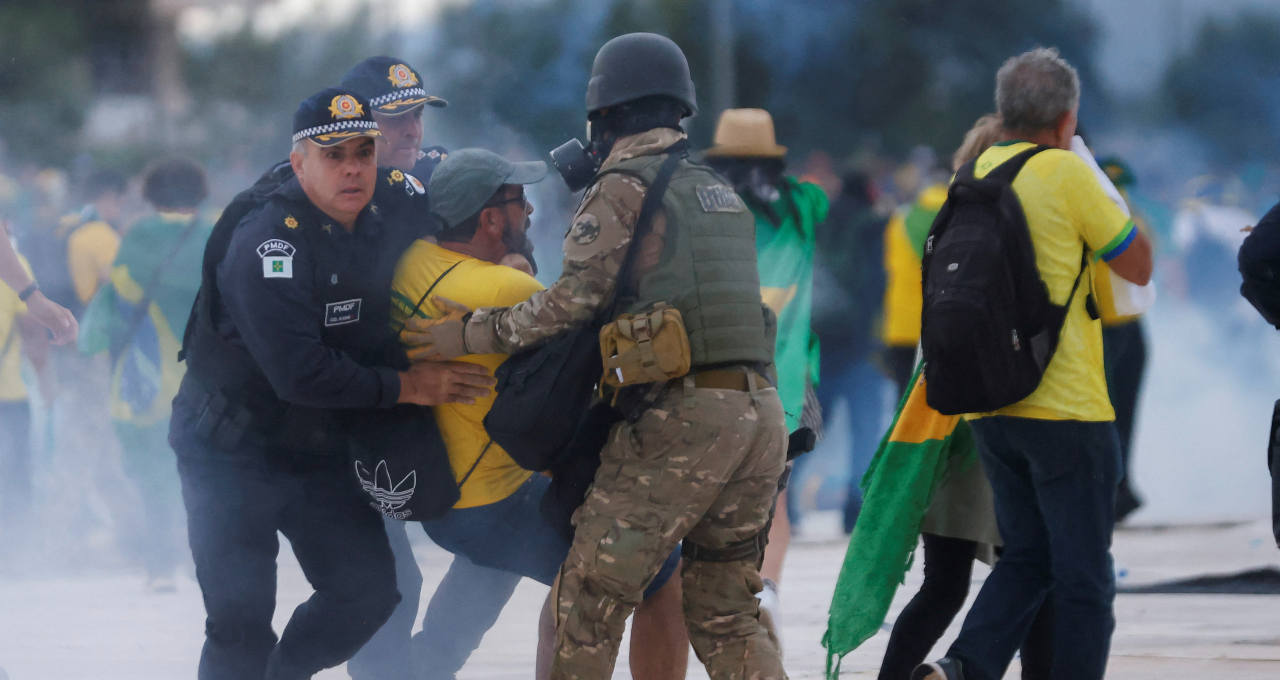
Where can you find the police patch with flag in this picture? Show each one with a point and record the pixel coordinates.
(277, 258)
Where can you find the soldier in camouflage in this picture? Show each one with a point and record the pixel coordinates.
(699, 457)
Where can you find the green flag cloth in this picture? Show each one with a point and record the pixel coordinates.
(896, 492)
(145, 374)
(785, 256)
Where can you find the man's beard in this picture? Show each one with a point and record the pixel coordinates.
(520, 243)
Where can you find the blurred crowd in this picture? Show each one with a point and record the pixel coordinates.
(86, 472)
(68, 225)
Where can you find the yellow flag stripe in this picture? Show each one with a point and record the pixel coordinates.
(918, 423)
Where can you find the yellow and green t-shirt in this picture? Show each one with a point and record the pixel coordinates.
(1066, 211)
(91, 249)
(474, 283)
(11, 386)
(904, 238)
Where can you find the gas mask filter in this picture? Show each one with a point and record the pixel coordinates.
(575, 163)
(578, 164)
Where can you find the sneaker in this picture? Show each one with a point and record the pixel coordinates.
(942, 669)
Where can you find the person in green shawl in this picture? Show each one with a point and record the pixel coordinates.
(787, 213)
(139, 319)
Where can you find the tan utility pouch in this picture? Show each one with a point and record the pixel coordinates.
(648, 347)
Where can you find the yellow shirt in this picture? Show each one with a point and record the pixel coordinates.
(1066, 210)
(90, 251)
(474, 283)
(1102, 281)
(11, 386)
(903, 297)
(902, 294)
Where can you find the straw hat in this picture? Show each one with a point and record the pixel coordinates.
(745, 133)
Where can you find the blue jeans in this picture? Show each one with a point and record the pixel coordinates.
(1055, 486)
(863, 386)
(386, 655)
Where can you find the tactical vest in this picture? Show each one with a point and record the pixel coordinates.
(708, 265)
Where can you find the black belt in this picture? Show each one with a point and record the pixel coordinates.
(228, 422)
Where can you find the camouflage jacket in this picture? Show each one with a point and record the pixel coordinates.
(595, 248)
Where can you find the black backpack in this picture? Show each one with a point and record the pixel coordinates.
(988, 328)
(544, 393)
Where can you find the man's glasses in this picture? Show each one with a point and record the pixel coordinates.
(516, 199)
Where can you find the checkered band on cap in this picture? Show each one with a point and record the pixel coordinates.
(330, 128)
(407, 93)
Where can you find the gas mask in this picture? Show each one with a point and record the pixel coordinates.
(756, 181)
(760, 182)
(577, 164)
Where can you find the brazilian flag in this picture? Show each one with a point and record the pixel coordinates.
(145, 372)
(896, 492)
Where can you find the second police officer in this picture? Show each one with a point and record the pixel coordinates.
(397, 99)
(289, 334)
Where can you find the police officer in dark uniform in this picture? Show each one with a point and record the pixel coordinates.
(288, 342)
(397, 97)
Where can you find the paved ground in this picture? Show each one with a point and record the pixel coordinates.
(100, 625)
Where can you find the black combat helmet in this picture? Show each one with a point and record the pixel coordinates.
(639, 65)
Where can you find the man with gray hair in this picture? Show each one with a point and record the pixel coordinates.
(1053, 458)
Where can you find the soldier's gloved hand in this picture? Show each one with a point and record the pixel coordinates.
(431, 383)
(437, 339)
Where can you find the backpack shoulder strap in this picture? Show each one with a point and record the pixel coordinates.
(1008, 170)
(120, 341)
(965, 173)
(430, 288)
(652, 201)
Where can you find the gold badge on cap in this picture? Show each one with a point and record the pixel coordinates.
(344, 107)
(402, 76)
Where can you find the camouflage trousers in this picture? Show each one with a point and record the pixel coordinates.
(700, 465)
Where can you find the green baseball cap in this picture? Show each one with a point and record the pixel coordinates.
(465, 181)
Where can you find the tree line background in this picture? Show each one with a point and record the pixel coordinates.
(867, 76)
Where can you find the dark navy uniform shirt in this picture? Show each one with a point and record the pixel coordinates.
(428, 158)
(310, 302)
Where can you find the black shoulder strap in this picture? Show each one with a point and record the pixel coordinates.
(424, 295)
(148, 292)
(1006, 171)
(475, 463)
(652, 201)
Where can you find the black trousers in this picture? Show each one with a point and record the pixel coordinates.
(1124, 349)
(236, 503)
(948, 567)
